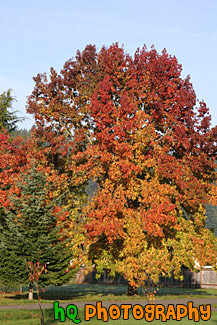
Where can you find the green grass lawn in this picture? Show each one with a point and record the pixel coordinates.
(93, 293)
(96, 292)
(27, 317)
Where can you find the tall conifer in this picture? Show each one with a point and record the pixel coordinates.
(32, 233)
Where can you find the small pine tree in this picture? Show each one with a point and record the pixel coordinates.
(31, 234)
(8, 120)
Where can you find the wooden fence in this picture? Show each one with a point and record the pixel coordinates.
(205, 278)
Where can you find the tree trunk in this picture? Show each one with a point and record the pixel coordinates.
(132, 290)
(39, 302)
(31, 291)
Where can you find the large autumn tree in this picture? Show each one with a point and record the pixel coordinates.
(136, 128)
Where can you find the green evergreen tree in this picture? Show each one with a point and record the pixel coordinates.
(8, 120)
(30, 234)
(211, 221)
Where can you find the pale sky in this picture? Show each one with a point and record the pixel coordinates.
(37, 35)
